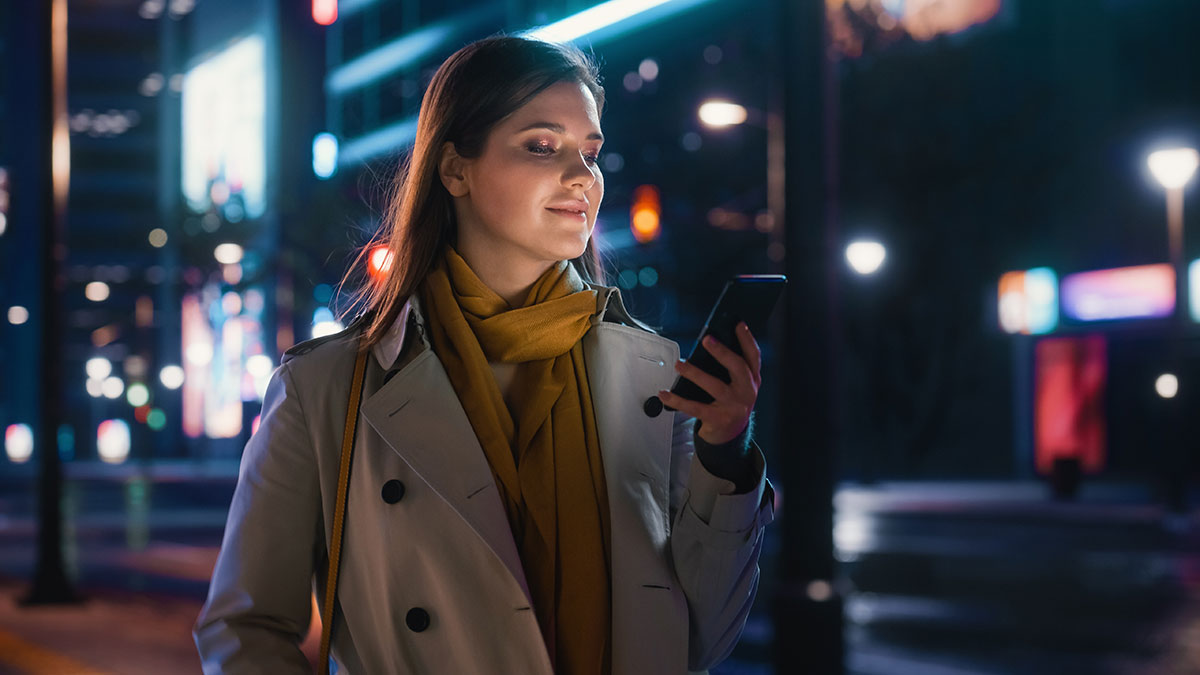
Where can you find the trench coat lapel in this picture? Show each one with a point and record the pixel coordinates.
(419, 416)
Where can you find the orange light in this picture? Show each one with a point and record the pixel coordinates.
(324, 12)
(379, 263)
(140, 413)
(645, 216)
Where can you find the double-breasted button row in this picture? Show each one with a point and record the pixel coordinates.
(417, 618)
(393, 491)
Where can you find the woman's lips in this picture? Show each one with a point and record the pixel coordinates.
(577, 215)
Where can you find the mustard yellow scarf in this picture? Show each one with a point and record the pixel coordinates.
(545, 452)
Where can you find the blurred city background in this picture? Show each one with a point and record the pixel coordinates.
(979, 395)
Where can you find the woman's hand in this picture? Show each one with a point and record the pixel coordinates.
(729, 413)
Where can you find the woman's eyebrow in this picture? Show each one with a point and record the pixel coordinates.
(558, 128)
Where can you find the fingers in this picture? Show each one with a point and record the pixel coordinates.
(736, 365)
(713, 385)
(750, 350)
(684, 405)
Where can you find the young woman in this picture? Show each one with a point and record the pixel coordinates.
(520, 502)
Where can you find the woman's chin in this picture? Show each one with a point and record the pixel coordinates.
(571, 246)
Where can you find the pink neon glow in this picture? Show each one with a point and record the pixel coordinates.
(1069, 402)
(1146, 291)
(325, 12)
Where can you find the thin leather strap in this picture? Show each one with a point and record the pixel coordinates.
(339, 513)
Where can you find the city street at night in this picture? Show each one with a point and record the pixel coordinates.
(600, 337)
(939, 579)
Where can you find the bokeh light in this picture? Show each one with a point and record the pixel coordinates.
(1167, 385)
(96, 291)
(18, 442)
(171, 377)
(865, 257)
(113, 441)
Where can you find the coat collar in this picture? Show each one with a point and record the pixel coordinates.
(609, 307)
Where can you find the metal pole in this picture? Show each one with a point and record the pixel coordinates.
(807, 608)
(50, 582)
(1175, 237)
(1175, 465)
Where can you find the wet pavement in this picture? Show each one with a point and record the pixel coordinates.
(996, 578)
(938, 578)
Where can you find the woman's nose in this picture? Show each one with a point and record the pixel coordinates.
(579, 173)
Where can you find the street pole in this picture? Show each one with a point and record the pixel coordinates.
(1176, 465)
(807, 607)
(52, 160)
(1173, 168)
(1175, 226)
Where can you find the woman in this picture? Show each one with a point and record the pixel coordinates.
(519, 502)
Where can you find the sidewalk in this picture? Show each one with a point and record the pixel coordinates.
(114, 632)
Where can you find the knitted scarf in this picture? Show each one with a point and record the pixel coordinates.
(544, 452)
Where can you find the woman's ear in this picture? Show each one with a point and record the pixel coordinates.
(451, 169)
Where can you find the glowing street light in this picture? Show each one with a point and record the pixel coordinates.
(719, 114)
(865, 257)
(1175, 167)
(1167, 385)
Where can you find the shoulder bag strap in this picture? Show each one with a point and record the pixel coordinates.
(339, 513)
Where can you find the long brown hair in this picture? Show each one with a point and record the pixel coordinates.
(472, 91)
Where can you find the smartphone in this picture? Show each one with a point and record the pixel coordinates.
(745, 297)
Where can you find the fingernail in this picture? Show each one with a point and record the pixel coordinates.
(708, 340)
(743, 326)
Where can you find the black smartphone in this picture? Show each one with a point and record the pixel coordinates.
(745, 297)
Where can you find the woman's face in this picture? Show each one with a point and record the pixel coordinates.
(532, 196)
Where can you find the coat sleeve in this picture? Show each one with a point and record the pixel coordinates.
(259, 601)
(716, 538)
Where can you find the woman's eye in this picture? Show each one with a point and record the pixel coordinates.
(545, 150)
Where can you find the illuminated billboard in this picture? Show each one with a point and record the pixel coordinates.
(1142, 292)
(1069, 392)
(225, 362)
(224, 144)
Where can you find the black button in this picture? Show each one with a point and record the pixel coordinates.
(393, 491)
(653, 406)
(417, 619)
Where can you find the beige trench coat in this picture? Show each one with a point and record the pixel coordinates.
(431, 581)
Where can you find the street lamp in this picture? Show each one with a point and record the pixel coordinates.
(865, 257)
(720, 114)
(1173, 169)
